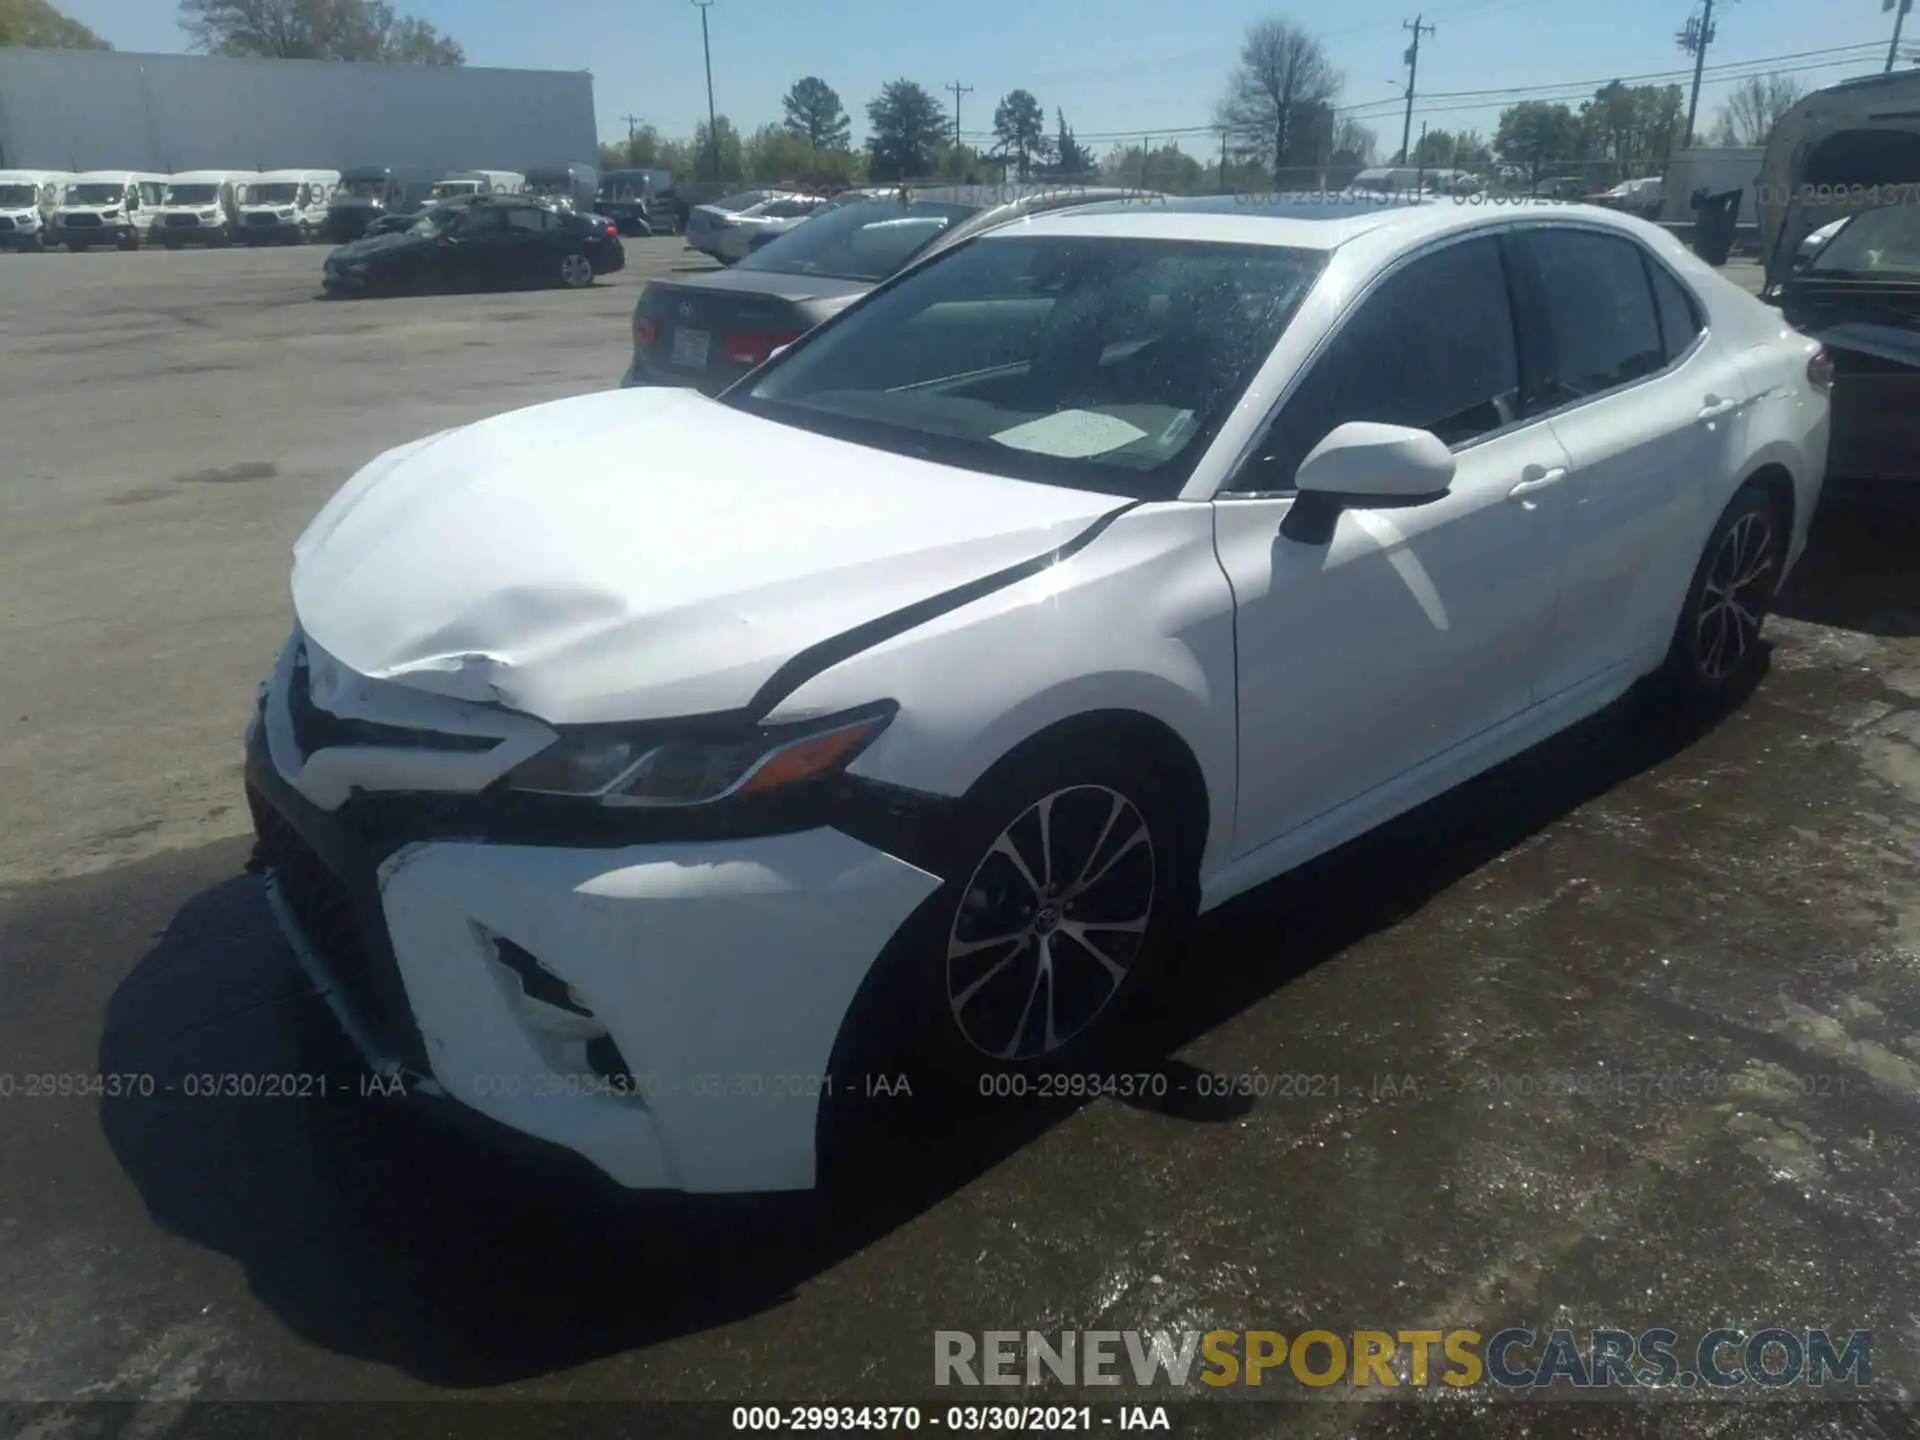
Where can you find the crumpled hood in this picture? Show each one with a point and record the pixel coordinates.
(643, 554)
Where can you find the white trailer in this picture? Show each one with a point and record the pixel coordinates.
(105, 109)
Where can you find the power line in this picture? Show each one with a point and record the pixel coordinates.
(957, 90)
(1729, 72)
(1413, 76)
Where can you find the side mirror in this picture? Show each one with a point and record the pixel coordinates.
(1365, 465)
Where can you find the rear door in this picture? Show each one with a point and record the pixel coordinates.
(1651, 410)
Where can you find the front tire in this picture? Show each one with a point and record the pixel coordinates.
(1716, 648)
(1070, 878)
(576, 271)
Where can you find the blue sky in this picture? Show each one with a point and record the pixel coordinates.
(1114, 66)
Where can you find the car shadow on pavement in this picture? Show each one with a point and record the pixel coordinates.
(1861, 570)
(371, 1231)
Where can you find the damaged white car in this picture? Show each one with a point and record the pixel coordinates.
(637, 758)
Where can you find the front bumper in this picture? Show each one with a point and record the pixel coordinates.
(720, 972)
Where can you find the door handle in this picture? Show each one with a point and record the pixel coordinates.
(1535, 479)
(1716, 407)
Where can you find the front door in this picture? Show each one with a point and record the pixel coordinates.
(1399, 632)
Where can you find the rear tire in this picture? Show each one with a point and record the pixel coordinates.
(1032, 957)
(1717, 651)
(576, 271)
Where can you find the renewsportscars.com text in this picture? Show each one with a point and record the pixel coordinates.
(1772, 1357)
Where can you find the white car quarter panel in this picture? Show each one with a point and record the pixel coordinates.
(1140, 620)
(723, 972)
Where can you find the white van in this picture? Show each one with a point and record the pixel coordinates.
(201, 207)
(109, 207)
(28, 199)
(286, 205)
(458, 184)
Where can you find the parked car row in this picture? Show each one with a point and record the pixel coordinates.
(42, 209)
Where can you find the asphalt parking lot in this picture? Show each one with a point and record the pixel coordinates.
(1446, 1014)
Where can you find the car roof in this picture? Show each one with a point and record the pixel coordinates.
(1306, 221)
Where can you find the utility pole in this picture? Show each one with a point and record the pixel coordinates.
(1900, 9)
(713, 125)
(1695, 39)
(1413, 77)
(633, 127)
(957, 90)
(1420, 179)
(1223, 159)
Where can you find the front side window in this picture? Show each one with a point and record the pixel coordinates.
(527, 221)
(1601, 328)
(1431, 348)
(1100, 362)
(1875, 244)
(479, 221)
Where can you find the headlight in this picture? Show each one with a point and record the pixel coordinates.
(630, 770)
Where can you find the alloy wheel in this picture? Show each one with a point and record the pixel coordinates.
(1050, 923)
(576, 271)
(1734, 599)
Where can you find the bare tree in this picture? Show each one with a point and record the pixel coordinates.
(1755, 107)
(1284, 75)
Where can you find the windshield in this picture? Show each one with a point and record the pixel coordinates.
(272, 194)
(95, 194)
(16, 195)
(1877, 243)
(192, 194)
(868, 241)
(445, 189)
(363, 189)
(1102, 363)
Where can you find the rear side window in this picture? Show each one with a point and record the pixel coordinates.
(1680, 322)
(527, 219)
(1602, 329)
(1432, 348)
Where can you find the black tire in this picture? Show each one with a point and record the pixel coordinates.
(575, 271)
(947, 1002)
(129, 242)
(304, 236)
(77, 247)
(1717, 651)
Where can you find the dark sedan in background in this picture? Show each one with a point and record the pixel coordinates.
(493, 243)
(707, 330)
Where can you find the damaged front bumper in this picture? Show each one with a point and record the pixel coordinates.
(666, 1010)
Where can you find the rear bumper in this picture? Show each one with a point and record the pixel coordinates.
(721, 972)
(708, 380)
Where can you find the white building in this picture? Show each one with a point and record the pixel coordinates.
(92, 109)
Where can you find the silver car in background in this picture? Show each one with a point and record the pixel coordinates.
(707, 330)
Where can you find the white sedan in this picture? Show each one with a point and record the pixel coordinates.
(639, 762)
(739, 235)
